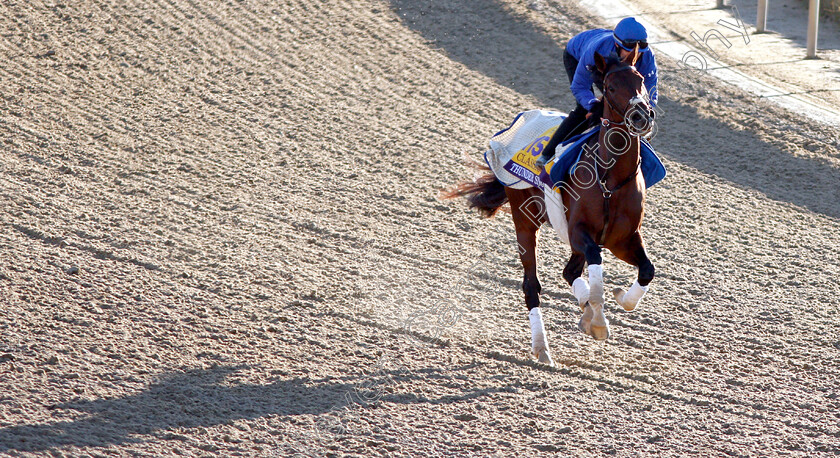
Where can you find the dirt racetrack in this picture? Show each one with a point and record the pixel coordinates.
(221, 236)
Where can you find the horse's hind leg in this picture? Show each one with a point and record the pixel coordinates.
(523, 207)
(594, 321)
(633, 252)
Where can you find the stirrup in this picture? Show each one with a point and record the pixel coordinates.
(542, 161)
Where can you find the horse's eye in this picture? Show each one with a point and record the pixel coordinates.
(611, 89)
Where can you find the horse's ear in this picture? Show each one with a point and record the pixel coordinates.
(600, 63)
(633, 56)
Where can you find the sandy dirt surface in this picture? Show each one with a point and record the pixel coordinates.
(221, 236)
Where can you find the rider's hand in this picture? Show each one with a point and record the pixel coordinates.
(597, 109)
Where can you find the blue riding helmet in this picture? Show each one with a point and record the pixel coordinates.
(628, 33)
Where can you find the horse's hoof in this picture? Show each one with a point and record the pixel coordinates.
(599, 332)
(585, 320)
(599, 329)
(619, 297)
(545, 358)
(583, 326)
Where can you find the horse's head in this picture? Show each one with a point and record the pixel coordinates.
(625, 96)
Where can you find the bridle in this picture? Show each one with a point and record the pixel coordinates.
(632, 104)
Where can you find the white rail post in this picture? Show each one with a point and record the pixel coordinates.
(761, 21)
(813, 25)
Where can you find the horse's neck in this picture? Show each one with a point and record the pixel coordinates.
(620, 163)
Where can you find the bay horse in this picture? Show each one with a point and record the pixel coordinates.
(602, 200)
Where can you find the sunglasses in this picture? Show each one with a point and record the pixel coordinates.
(630, 44)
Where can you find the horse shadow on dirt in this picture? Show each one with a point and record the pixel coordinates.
(205, 398)
(487, 37)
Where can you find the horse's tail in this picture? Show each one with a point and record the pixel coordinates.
(486, 193)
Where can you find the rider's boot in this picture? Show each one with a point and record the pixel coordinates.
(571, 123)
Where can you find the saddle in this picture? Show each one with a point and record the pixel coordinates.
(514, 151)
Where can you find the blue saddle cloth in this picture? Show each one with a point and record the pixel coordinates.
(652, 168)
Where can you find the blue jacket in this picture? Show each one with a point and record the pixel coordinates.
(583, 46)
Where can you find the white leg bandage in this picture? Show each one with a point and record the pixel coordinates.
(596, 284)
(538, 340)
(634, 295)
(580, 289)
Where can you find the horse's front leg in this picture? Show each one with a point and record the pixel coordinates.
(526, 237)
(580, 287)
(594, 322)
(633, 252)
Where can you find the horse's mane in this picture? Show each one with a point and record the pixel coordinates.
(611, 60)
